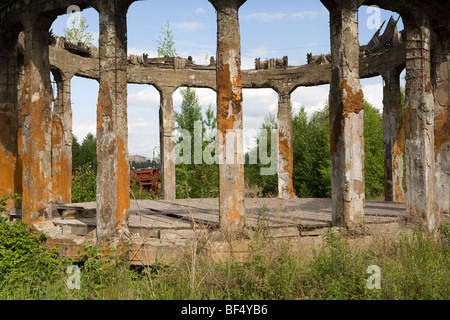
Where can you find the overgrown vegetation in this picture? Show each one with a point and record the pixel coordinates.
(77, 30)
(196, 180)
(413, 266)
(311, 148)
(84, 185)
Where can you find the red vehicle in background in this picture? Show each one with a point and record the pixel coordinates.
(148, 179)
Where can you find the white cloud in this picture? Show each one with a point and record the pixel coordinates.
(148, 97)
(205, 96)
(312, 98)
(143, 134)
(188, 26)
(80, 130)
(267, 17)
(259, 102)
(199, 11)
(374, 95)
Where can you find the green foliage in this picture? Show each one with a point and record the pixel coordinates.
(311, 144)
(196, 180)
(374, 152)
(26, 267)
(166, 43)
(77, 32)
(413, 266)
(268, 184)
(137, 192)
(312, 165)
(5, 199)
(86, 153)
(444, 230)
(84, 185)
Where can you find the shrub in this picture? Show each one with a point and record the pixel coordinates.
(84, 185)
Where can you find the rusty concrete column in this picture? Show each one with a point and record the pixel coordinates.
(419, 125)
(393, 137)
(346, 102)
(229, 117)
(62, 140)
(167, 143)
(441, 85)
(8, 116)
(285, 151)
(35, 122)
(113, 174)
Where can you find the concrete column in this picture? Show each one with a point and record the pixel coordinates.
(393, 138)
(167, 141)
(35, 122)
(441, 85)
(285, 151)
(229, 117)
(8, 117)
(113, 175)
(346, 119)
(419, 124)
(62, 140)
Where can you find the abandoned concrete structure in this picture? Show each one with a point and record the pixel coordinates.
(35, 143)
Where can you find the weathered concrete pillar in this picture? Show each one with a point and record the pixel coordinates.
(113, 175)
(167, 142)
(393, 137)
(8, 116)
(285, 151)
(229, 117)
(442, 120)
(62, 140)
(346, 118)
(419, 124)
(35, 122)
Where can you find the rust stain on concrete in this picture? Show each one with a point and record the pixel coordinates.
(123, 182)
(354, 102)
(287, 154)
(442, 126)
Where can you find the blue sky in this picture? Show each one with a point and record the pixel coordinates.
(269, 29)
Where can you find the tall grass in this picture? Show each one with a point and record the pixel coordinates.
(413, 266)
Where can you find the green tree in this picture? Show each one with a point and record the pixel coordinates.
(166, 43)
(86, 153)
(267, 184)
(76, 153)
(196, 180)
(77, 32)
(374, 151)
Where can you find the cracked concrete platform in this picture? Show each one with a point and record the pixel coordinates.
(172, 228)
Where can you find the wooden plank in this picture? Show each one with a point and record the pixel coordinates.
(158, 222)
(198, 218)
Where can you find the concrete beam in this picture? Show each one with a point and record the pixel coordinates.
(167, 143)
(419, 124)
(346, 120)
(62, 140)
(113, 176)
(393, 138)
(229, 118)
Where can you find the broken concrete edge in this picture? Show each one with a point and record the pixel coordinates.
(145, 251)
